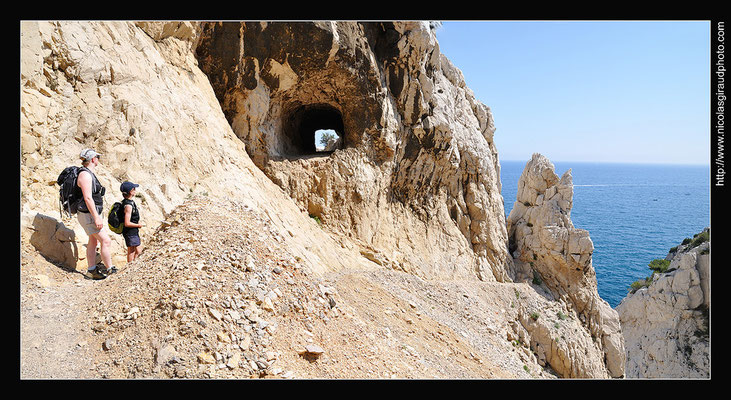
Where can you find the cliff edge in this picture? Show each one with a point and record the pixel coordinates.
(665, 318)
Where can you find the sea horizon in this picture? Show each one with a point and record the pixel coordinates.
(615, 162)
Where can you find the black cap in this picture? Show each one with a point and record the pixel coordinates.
(127, 187)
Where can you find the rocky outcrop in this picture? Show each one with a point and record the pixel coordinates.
(415, 181)
(666, 323)
(550, 250)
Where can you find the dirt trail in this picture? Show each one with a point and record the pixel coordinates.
(217, 294)
(53, 336)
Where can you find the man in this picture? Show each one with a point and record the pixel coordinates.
(90, 216)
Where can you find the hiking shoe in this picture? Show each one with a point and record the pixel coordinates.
(113, 271)
(97, 273)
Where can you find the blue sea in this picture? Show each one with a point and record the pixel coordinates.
(634, 213)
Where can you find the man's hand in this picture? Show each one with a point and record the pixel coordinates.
(98, 221)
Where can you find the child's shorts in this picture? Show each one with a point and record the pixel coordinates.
(132, 240)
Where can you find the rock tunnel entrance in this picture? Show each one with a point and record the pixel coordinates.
(313, 129)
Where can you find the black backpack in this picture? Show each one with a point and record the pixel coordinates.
(116, 218)
(70, 193)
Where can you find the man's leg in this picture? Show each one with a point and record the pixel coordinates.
(106, 244)
(91, 252)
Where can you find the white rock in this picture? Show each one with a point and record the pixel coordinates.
(215, 314)
(312, 349)
(233, 361)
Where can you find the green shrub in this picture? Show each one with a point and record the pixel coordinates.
(700, 238)
(637, 285)
(659, 265)
(317, 219)
(536, 278)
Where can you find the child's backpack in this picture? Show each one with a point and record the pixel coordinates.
(69, 194)
(116, 218)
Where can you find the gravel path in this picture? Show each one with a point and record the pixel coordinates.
(217, 293)
(53, 342)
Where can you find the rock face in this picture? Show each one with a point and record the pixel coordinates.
(108, 86)
(133, 91)
(415, 180)
(548, 249)
(666, 325)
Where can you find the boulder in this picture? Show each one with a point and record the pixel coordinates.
(56, 242)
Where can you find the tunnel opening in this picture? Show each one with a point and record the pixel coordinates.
(313, 129)
(326, 140)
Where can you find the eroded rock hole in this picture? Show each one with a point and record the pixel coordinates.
(326, 140)
(314, 129)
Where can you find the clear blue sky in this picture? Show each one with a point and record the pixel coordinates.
(607, 91)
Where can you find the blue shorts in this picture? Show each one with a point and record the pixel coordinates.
(132, 240)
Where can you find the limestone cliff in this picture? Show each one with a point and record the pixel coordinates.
(549, 249)
(417, 172)
(228, 110)
(665, 322)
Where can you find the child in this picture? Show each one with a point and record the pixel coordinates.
(131, 221)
